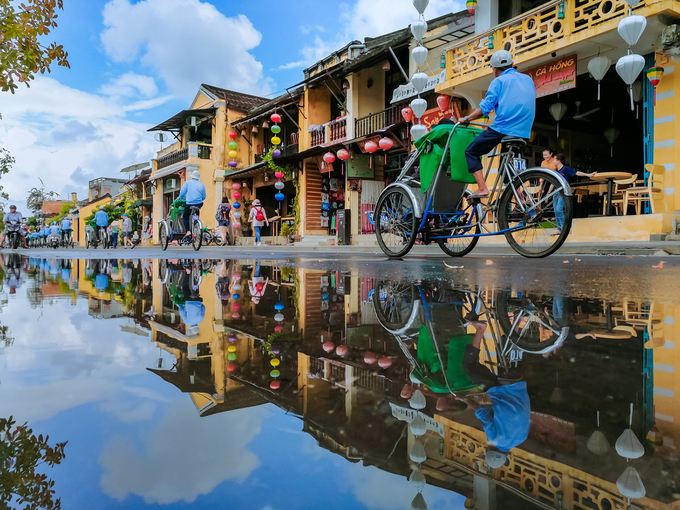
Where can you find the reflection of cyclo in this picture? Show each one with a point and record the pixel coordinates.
(432, 327)
(171, 228)
(530, 207)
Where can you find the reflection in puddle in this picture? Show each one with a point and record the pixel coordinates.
(498, 397)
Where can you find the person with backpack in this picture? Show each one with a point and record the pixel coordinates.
(258, 217)
(222, 216)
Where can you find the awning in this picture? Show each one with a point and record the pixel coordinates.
(247, 171)
(180, 120)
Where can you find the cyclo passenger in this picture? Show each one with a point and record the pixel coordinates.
(101, 220)
(512, 96)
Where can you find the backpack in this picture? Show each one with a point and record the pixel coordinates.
(259, 215)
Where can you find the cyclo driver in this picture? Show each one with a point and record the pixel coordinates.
(13, 216)
(65, 229)
(101, 220)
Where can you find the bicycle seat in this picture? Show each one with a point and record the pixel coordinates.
(514, 140)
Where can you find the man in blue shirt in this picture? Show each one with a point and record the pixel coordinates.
(193, 191)
(65, 229)
(101, 219)
(512, 96)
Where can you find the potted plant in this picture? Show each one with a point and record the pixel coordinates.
(342, 106)
(287, 233)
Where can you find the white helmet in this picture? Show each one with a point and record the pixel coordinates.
(500, 59)
(195, 174)
(495, 459)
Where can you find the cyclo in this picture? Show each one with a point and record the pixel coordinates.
(429, 200)
(171, 227)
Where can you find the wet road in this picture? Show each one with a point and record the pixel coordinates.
(265, 383)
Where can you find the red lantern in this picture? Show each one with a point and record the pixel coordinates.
(278, 329)
(407, 113)
(276, 117)
(371, 147)
(370, 358)
(232, 134)
(343, 154)
(342, 350)
(443, 102)
(231, 366)
(275, 385)
(329, 157)
(406, 392)
(278, 175)
(328, 346)
(385, 362)
(386, 143)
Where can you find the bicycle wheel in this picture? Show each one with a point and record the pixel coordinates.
(197, 234)
(460, 246)
(395, 225)
(393, 302)
(163, 235)
(535, 214)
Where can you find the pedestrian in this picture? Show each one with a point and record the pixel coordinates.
(558, 202)
(127, 231)
(146, 231)
(258, 217)
(222, 216)
(549, 159)
(112, 230)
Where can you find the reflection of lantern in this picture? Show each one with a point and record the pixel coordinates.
(278, 329)
(232, 348)
(231, 356)
(232, 135)
(275, 385)
(328, 346)
(406, 392)
(279, 317)
(275, 373)
(598, 67)
(629, 68)
(342, 350)
(630, 485)
(236, 185)
(275, 362)
(611, 135)
(370, 358)
(231, 366)
(654, 75)
(276, 153)
(236, 195)
(279, 306)
(279, 175)
(557, 110)
(385, 362)
(232, 338)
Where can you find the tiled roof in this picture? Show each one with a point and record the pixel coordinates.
(236, 100)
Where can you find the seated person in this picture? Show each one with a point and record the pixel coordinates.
(65, 229)
(55, 230)
(568, 173)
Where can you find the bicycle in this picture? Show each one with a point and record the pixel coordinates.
(172, 226)
(212, 237)
(520, 205)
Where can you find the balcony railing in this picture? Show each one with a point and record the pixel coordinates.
(319, 136)
(204, 151)
(173, 158)
(536, 33)
(337, 130)
(377, 121)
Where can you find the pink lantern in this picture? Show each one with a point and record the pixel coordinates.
(275, 385)
(371, 147)
(278, 329)
(407, 113)
(236, 195)
(231, 366)
(343, 154)
(235, 306)
(443, 102)
(232, 135)
(236, 278)
(329, 157)
(328, 346)
(236, 185)
(235, 315)
(276, 117)
(278, 175)
(237, 224)
(406, 392)
(342, 350)
(386, 143)
(385, 362)
(370, 358)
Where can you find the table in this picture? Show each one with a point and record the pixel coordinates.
(610, 177)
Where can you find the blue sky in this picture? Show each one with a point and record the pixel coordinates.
(135, 63)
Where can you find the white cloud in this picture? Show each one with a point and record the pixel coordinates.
(130, 84)
(182, 457)
(187, 42)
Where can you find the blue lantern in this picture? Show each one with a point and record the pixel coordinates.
(279, 197)
(236, 296)
(236, 205)
(278, 306)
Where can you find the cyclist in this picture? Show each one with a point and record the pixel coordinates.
(193, 191)
(13, 216)
(65, 230)
(101, 220)
(54, 230)
(512, 96)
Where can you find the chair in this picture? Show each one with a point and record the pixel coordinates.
(618, 193)
(638, 194)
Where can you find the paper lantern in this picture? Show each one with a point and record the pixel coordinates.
(329, 158)
(276, 118)
(275, 373)
(631, 28)
(279, 185)
(598, 67)
(444, 102)
(278, 329)
(236, 195)
(236, 185)
(276, 153)
(235, 306)
(276, 140)
(418, 131)
(237, 224)
(233, 164)
(371, 147)
(407, 113)
(255, 129)
(279, 175)
(418, 426)
(611, 135)
(279, 306)
(654, 75)
(235, 315)
(417, 401)
(417, 453)
(369, 358)
(628, 445)
(231, 356)
(417, 478)
(279, 317)
(276, 129)
(328, 346)
(418, 106)
(233, 145)
(406, 392)
(419, 54)
(231, 366)
(236, 214)
(420, 5)
(275, 385)
(236, 296)
(342, 350)
(471, 5)
(232, 338)
(629, 68)
(275, 362)
(343, 154)
(386, 143)
(418, 502)
(557, 110)
(232, 135)
(597, 442)
(279, 197)
(385, 362)
(236, 286)
(236, 205)
(630, 485)
(232, 348)
(233, 154)
(419, 82)
(419, 29)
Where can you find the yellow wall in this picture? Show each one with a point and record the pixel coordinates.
(84, 212)
(666, 132)
(370, 100)
(317, 110)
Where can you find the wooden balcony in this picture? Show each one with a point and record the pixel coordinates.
(540, 32)
(377, 121)
(318, 137)
(337, 130)
(200, 151)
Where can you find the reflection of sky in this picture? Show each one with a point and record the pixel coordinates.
(136, 441)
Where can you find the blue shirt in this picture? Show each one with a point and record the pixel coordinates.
(101, 219)
(101, 281)
(567, 172)
(66, 224)
(513, 96)
(194, 191)
(192, 313)
(507, 422)
(54, 230)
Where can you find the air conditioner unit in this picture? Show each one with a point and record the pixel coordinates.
(171, 183)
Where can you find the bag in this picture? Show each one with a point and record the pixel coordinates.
(259, 216)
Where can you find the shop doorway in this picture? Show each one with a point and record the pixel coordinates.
(267, 196)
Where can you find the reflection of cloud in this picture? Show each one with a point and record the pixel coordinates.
(183, 457)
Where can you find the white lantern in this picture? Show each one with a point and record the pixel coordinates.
(278, 317)
(631, 27)
(417, 478)
(419, 81)
(417, 453)
(630, 484)
(417, 401)
(237, 215)
(418, 426)
(419, 54)
(632, 3)
(418, 106)
(418, 29)
(236, 286)
(629, 68)
(418, 502)
(598, 67)
(420, 5)
(557, 110)
(418, 131)
(628, 445)
(279, 185)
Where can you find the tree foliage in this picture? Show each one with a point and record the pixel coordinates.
(36, 197)
(22, 28)
(21, 454)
